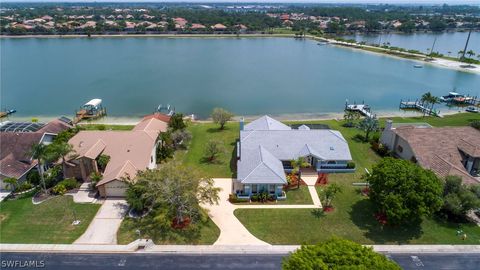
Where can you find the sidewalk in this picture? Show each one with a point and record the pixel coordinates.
(223, 249)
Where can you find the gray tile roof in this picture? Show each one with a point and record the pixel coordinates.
(266, 123)
(267, 142)
(260, 166)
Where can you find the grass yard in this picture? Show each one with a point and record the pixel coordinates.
(353, 216)
(201, 134)
(207, 234)
(105, 127)
(46, 223)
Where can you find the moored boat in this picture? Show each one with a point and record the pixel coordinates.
(451, 96)
(472, 109)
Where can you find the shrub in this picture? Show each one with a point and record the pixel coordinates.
(234, 199)
(24, 186)
(33, 177)
(458, 198)
(95, 177)
(475, 124)
(52, 176)
(213, 149)
(102, 161)
(351, 165)
(254, 198)
(69, 183)
(59, 189)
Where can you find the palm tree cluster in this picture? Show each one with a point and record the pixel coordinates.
(429, 100)
(45, 154)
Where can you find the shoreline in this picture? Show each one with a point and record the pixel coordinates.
(124, 120)
(418, 58)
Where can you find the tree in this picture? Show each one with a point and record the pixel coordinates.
(61, 150)
(330, 192)
(176, 122)
(221, 116)
(369, 125)
(95, 177)
(102, 161)
(458, 199)
(181, 137)
(39, 152)
(12, 183)
(337, 253)
(297, 164)
(350, 117)
(404, 191)
(471, 53)
(429, 99)
(180, 190)
(212, 150)
(165, 148)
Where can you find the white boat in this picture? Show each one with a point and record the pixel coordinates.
(451, 96)
(472, 109)
(417, 66)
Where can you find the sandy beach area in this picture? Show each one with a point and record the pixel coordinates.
(123, 120)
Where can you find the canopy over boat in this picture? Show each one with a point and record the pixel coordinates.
(93, 103)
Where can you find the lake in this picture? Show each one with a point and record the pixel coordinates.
(446, 41)
(249, 76)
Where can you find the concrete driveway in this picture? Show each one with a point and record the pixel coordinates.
(104, 226)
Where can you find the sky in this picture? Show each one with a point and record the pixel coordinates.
(451, 2)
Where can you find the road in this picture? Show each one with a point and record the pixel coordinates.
(222, 261)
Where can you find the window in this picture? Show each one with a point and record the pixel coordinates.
(271, 189)
(399, 148)
(331, 162)
(254, 188)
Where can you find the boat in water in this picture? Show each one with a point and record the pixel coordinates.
(166, 109)
(451, 96)
(7, 113)
(472, 109)
(417, 66)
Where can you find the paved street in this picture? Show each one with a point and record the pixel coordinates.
(222, 261)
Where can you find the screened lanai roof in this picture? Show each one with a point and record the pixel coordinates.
(21, 127)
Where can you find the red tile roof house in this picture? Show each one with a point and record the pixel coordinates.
(129, 151)
(16, 141)
(219, 27)
(445, 151)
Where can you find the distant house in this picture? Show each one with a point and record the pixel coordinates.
(445, 150)
(129, 152)
(219, 27)
(180, 23)
(284, 17)
(16, 141)
(266, 148)
(197, 26)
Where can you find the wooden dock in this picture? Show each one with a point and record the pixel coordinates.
(363, 109)
(419, 106)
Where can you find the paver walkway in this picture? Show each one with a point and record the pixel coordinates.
(310, 181)
(104, 226)
(232, 231)
(83, 195)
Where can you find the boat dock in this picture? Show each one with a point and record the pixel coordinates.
(90, 110)
(420, 106)
(6, 113)
(363, 109)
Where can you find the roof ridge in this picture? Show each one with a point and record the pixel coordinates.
(261, 159)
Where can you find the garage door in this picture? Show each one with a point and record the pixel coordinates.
(115, 189)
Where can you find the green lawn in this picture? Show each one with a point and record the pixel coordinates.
(353, 216)
(201, 134)
(46, 223)
(105, 127)
(207, 234)
(294, 196)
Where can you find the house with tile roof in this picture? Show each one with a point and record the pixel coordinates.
(16, 141)
(129, 152)
(444, 150)
(266, 148)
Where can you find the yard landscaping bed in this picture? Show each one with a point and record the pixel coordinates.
(294, 196)
(47, 223)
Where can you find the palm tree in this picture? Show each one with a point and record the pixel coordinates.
(61, 150)
(40, 152)
(297, 164)
(471, 53)
(460, 53)
(449, 53)
(429, 99)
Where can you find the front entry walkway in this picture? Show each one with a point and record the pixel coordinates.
(104, 226)
(310, 181)
(232, 231)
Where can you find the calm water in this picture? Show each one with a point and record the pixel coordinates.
(446, 42)
(49, 77)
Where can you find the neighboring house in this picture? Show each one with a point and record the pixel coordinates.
(266, 148)
(16, 141)
(445, 150)
(129, 151)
